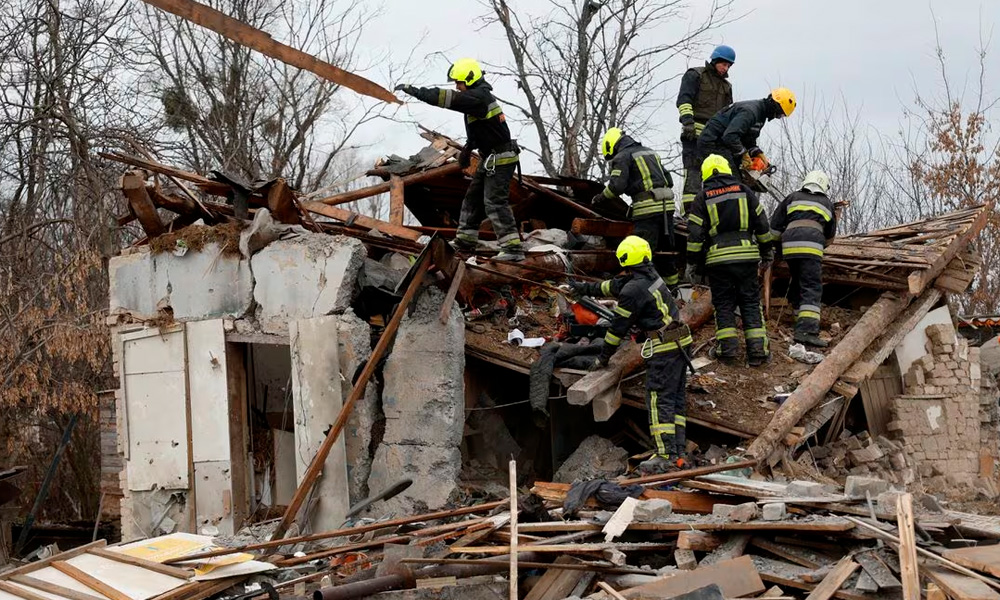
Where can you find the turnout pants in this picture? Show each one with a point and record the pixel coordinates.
(734, 161)
(736, 285)
(666, 378)
(692, 173)
(805, 292)
(489, 196)
(659, 232)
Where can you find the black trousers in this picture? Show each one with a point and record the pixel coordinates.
(659, 232)
(666, 381)
(489, 196)
(736, 285)
(704, 149)
(805, 291)
(692, 172)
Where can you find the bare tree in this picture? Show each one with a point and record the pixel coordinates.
(227, 107)
(584, 66)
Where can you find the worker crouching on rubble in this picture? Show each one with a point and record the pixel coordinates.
(806, 223)
(486, 131)
(646, 307)
(636, 171)
(733, 131)
(728, 233)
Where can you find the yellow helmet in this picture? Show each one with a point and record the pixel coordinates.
(466, 70)
(785, 99)
(715, 164)
(633, 251)
(610, 141)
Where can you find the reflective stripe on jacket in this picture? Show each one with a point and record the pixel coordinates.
(727, 223)
(805, 222)
(637, 172)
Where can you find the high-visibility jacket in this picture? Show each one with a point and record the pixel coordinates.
(805, 222)
(703, 93)
(727, 224)
(486, 127)
(644, 303)
(636, 171)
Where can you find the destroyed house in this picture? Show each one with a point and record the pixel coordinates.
(240, 325)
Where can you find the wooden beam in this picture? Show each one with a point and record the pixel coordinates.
(345, 216)
(381, 188)
(20, 592)
(701, 541)
(384, 341)
(52, 588)
(134, 188)
(449, 296)
(908, 570)
(958, 586)
(832, 582)
(921, 279)
(514, 510)
(736, 578)
(45, 562)
(602, 227)
(878, 571)
(149, 565)
(258, 40)
(90, 581)
(396, 200)
(683, 502)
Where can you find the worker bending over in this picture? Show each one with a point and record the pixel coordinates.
(646, 307)
(732, 132)
(636, 171)
(486, 130)
(806, 223)
(728, 235)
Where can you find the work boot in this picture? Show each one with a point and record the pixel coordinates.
(726, 351)
(656, 465)
(463, 246)
(757, 353)
(810, 339)
(511, 253)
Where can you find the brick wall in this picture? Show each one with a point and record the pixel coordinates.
(946, 418)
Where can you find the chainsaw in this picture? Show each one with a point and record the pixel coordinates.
(757, 175)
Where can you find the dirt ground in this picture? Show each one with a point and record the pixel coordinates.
(734, 396)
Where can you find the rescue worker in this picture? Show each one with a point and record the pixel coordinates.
(806, 223)
(704, 91)
(646, 306)
(732, 132)
(636, 171)
(728, 234)
(486, 131)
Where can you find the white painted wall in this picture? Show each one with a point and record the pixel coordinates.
(912, 346)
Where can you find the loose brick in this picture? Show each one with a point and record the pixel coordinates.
(858, 487)
(742, 513)
(774, 511)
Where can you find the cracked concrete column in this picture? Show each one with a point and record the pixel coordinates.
(317, 400)
(424, 404)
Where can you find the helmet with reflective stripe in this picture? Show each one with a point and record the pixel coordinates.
(817, 182)
(633, 251)
(713, 165)
(723, 52)
(610, 141)
(466, 70)
(785, 99)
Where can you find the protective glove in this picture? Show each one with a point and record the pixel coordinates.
(598, 199)
(754, 152)
(599, 363)
(403, 87)
(465, 158)
(578, 287)
(746, 162)
(688, 133)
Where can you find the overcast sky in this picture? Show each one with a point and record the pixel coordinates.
(872, 54)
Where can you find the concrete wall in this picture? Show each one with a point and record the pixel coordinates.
(424, 405)
(941, 416)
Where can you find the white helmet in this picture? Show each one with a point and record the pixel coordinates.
(816, 182)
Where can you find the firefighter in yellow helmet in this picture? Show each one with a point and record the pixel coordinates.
(733, 131)
(728, 234)
(647, 310)
(486, 131)
(636, 171)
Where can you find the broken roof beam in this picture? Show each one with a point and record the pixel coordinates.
(382, 188)
(134, 188)
(813, 389)
(261, 41)
(345, 216)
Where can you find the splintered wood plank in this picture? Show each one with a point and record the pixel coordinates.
(732, 548)
(134, 188)
(832, 582)
(789, 553)
(346, 216)
(980, 558)
(556, 584)
(52, 588)
(141, 562)
(878, 571)
(281, 203)
(958, 586)
(396, 200)
(907, 548)
(736, 578)
(90, 581)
